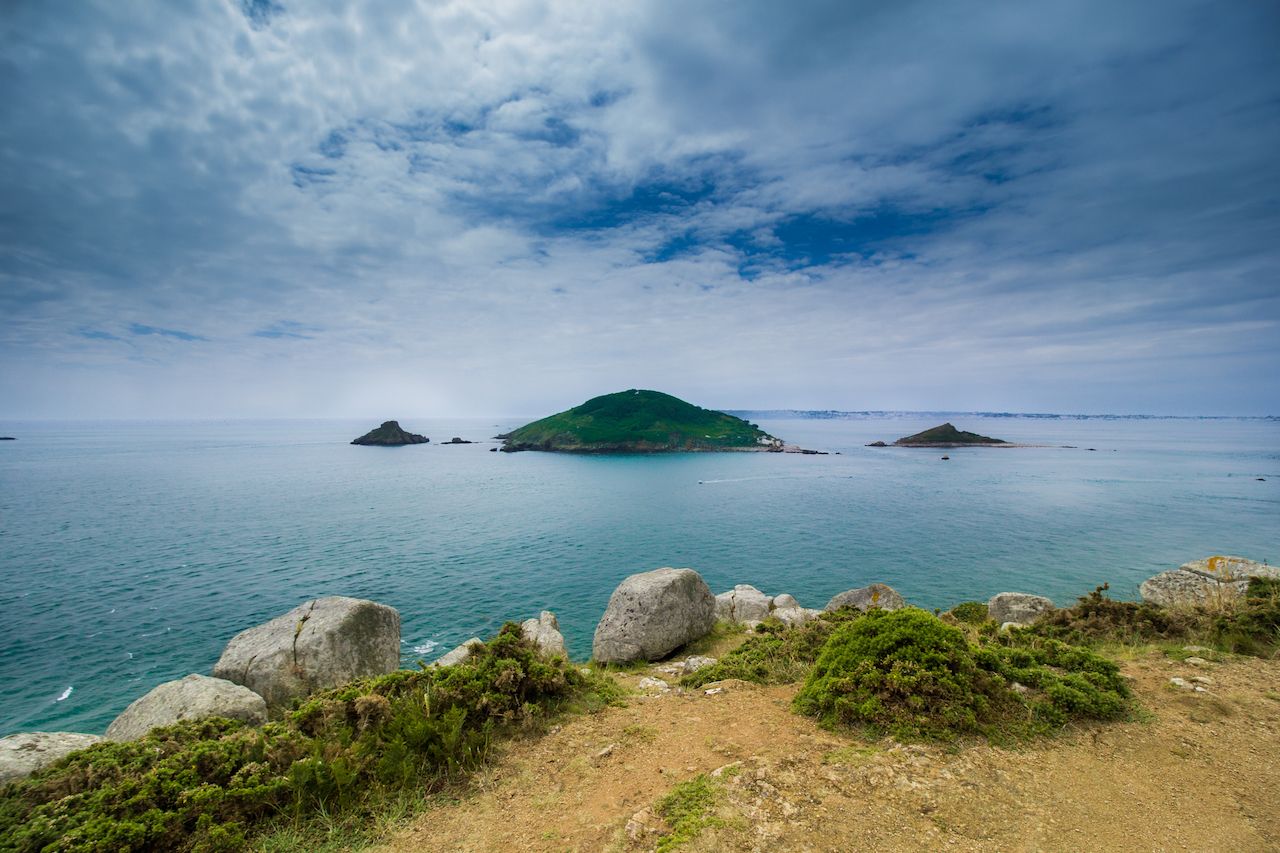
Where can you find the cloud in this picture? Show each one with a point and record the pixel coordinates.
(177, 334)
(928, 205)
(287, 329)
(97, 335)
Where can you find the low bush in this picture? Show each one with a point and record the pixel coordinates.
(1248, 626)
(774, 654)
(208, 785)
(908, 674)
(969, 612)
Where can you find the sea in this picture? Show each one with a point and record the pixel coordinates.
(131, 552)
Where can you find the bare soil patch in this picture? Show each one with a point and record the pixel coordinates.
(1201, 771)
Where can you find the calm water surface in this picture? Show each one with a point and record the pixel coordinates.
(131, 552)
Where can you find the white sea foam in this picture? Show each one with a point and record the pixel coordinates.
(426, 648)
(66, 693)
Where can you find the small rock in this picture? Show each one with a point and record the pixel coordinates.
(459, 654)
(783, 601)
(1006, 626)
(1018, 607)
(544, 632)
(650, 683)
(793, 616)
(1194, 661)
(720, 771)
(695, 663)
(1202, 679)
(1019, 687)
(644, 823)
(743, 604)
(606, 752)
(1180, 683)
(714, 691)
(192, 698)
(874, 595)
(25, 753)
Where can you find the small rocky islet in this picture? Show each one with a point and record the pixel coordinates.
(945, 435)
(390, 435)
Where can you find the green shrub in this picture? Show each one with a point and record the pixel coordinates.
(1249, 626)
(208, 784)
(970, 612)
(908, 674)
(774, 654)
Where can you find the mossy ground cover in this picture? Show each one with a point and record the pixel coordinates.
(689, 808)
(215, 784)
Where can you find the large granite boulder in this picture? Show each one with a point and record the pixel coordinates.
(1211, 581)
(322, 643)
(1019, 607)
(24, 754)
(544, 632)
(878, 595)
(652, 614)
(743, 604)
(192, 698)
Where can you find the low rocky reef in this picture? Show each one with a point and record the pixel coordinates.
(391, 435)
(330, 641)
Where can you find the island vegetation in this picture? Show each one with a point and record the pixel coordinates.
(637, 421)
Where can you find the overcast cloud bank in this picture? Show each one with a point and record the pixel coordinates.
(310, 208)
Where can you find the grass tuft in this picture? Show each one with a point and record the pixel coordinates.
(689, 808)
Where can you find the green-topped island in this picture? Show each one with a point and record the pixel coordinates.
(636, 421)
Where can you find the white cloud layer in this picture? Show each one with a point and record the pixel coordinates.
(392, 209)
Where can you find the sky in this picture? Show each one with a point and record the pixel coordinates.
(302, 208)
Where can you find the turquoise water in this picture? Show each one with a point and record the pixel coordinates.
(131, 552)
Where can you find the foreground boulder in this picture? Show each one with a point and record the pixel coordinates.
(878, 595)
(652, 614)
(1019, 607)
(743, 604)
(192, 698)
(322, 643)
(24, 754)
(1212, 581)
(544, 632)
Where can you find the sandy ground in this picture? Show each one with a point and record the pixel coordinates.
(1201, 771)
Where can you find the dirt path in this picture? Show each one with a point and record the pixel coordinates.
(1203, 773)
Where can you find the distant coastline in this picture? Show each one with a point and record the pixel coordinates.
(836, 414)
